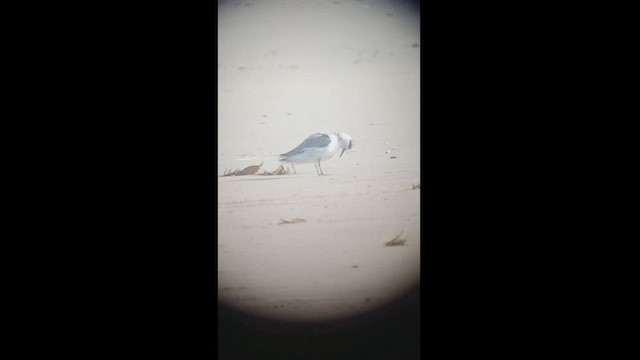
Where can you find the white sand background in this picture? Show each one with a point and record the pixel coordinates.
(287, 69)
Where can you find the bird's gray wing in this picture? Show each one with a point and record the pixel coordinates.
(314, 140)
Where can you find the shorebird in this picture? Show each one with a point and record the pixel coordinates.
(321, 146)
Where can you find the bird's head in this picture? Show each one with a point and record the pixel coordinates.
(346, 143)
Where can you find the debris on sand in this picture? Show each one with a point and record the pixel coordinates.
(293, 221)
(253, 170)
(229, 172)
(246, 171)
(279, 171)
(416, 186)
(396, 240)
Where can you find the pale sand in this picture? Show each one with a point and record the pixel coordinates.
(290, 68)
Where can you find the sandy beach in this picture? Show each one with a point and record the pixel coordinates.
(287, 69)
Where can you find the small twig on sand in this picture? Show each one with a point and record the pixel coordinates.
(396, 240)
(296, 220)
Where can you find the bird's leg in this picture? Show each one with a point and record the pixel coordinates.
(320, 168)
(294, 169)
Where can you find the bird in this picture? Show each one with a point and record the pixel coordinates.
(321, 146)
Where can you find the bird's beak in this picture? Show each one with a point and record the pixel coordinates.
(343, 150)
